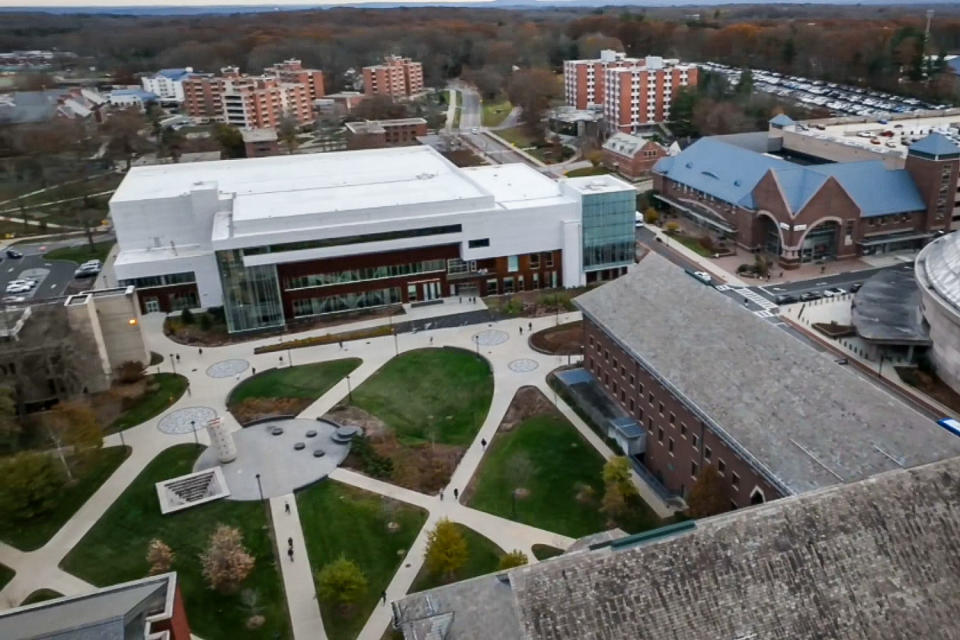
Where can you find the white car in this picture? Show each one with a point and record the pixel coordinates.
(836, 291)
(11, 299)
(18, 287)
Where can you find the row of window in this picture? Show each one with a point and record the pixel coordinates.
(511, 284)
(894, 218)
(184, 277)
(358, 239)
(361, 274)
(344, 302)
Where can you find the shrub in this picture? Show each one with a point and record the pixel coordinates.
(159, 556)
(217, 314)
(226, 562)
(515, 558)
(31, 485)
(206, 323)
(672, 227)
(651, 215)
(186, 316)
(129, 372)
(707, 243)
(371, 462)
(447, 549)
(341, 582)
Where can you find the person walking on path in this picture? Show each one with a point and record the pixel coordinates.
(441, 495)
(178, 357)
(521, 330)
(383, 596)
(286, 507)
(483, 443)
(340, 342)
(456, 494)
(530, 327)
(290, 553)
(199, 351)
(290, 542)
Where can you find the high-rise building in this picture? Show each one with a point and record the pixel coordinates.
(630, 91)
(255, 102)
(397, 77)
(167, 84)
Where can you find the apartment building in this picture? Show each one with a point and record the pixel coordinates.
(397, 77)
(276, 240)
(255, 102)
(630, 91)
(167, 84)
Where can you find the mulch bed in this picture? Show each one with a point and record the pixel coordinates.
(930, 385)
(566, 339)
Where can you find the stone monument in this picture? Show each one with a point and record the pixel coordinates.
(221, 441)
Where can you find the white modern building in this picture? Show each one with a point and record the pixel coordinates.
(277, 239)
(131, 98)
(937, 270)
(167, 84)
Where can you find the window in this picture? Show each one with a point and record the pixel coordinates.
(590, 340)
(534, 260)
(513, 264)
(623, 370)
(623, 396)
(606, 379)
(367, 237)
(660, 408)
(492, 286)
(606, 355)
(735, 481)
(614, 365)
(670, 446)
(673, 418)
(632, 379)
(640, 412)
(548, 260)
(641, 389)
(693, 469)
(650, 398)
(707, 453)
(721, 466)
(478, 243)
(650, 426)
(508, 285)
(660, 434)
(683, 430)
(615, 388)
(631, 404)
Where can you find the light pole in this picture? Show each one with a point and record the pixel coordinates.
(193, 427)
(396, 340)
(289, 356)
(476, 341)
(122, 443)
(349, 390)
(259, 487)
(173, 363)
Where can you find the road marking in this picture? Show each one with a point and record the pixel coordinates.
(763, 314)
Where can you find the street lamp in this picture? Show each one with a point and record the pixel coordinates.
(193, 427)
(259, 487)
(396, 340)
(476, 341)
(173, 363)
(349, 390)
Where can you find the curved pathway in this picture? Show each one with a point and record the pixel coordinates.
(39, 569)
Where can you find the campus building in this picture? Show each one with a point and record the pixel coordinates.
(706, 382)
(631, 91)
(807, 213)
(397, 77)
(147, 609)
(632, 156)
(374, 134)
(167, 84)
(279, 239)
(874, 559)
(260, 143)
(937, 271)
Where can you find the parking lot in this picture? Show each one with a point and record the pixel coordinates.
(52, 276)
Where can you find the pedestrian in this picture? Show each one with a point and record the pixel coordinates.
(745, 301)
(253, 371)
(460, 299)
(483, 443)
(441, 495)
(456, 494)
(289, 542)
(238, 377)
(286, 507)
(290, 553)
(340, 342)
(383, 596)
(178, 357)
(521, 330)
(200, 351)
(530, 327)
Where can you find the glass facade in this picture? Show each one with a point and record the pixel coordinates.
(363, 273)
(345, 302)
(367, 237)
(251, 295)
(609, 236)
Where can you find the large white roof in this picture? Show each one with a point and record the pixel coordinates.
(516, 185)
(291, 185)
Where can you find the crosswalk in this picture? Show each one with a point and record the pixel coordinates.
(767, 309)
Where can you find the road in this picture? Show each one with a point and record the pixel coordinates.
(842, 280)
(471, 115)
(53, 276)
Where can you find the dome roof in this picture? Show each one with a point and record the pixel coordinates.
(940, 261)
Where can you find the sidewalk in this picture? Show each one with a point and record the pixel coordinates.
(706, 264)
(297, 577)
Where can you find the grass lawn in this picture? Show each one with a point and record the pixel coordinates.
(170, 387)
(544, 552)
(517, 136)
(6, 575)
(81, 253)
(496, 112)
(484, 558)
(340, 519)
(41, 595)
(693, 244)
(307, 381)
(34, 533)
(587, 171)
(114, 550)
(448, 388)
(563, 475)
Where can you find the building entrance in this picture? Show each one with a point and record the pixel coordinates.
(820, 243)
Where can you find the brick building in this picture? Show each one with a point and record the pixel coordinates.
(260, 143)
(397, 77)
(201, 96)
(292, 72)
(709, 383)
(631, 156)
(801, 214)
(631, 91)
(373, 134)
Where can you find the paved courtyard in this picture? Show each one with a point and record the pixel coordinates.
(217, 370)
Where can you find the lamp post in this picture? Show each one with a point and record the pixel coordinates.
(396, 340)
(193, 427)
(173, 363)
(122, 443)
(259, 487)
(476, 341)
(349, 389)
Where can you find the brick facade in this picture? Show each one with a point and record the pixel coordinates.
(637, 164)
(679, 444)
(397, 77)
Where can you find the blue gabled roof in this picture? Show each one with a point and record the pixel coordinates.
(935, 144)
(798, 186)
(782, 120)
(140, 93)
(173, 74)
(719, 169)
(874, 188)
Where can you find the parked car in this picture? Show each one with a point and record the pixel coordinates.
(86, 271)
(809, 295)
(13, 253)
(18, 287)
(12, 299)
(855, 287)
(834, 291)
(785, 298)
(702, 276)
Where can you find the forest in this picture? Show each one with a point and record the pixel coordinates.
(877, 46)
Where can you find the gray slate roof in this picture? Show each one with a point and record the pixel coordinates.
(805, 420)
(872, 560)
(886, 309)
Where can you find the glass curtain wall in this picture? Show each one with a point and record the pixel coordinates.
(251, 295)
(609, 236)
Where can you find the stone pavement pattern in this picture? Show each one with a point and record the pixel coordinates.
(502, 345)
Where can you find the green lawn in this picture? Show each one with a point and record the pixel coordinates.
(302, 381)
(545, 552)
(587, 171)
(496, 112)
(444, 389)
(170, 387)
(562, 473)
(517, 136)
(41, 595)
(6, 575)
(484, 558)
(34, 533)
(81, 253)
(339, 519)
(693, 244)
(114, 550)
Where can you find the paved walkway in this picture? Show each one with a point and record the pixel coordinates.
(513, 364)
(297, 577)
